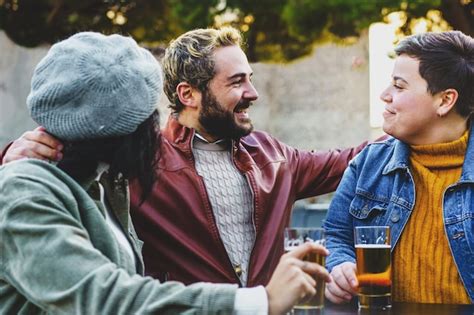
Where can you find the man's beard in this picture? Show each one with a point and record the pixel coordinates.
(220, 123)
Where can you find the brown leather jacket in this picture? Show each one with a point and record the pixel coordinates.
(177, 223)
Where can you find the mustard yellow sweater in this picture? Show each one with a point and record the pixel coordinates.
(423, 267)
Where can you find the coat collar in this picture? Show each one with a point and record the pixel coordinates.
(401, 156)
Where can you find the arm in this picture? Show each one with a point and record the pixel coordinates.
(340, 240)
(33, 144)
(48, 258)
(320, 172)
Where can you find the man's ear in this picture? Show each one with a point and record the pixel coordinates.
(448, 100)
(188, 95)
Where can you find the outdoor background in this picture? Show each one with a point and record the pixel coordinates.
(319, 65)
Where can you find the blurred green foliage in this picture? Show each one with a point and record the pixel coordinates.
(279, 30)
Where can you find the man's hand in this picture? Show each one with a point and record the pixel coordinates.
(344, 284)
(34, 144)
(294, 279)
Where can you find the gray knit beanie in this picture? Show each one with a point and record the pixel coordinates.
(94, 86)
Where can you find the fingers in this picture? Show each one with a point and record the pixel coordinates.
(295, 279)
(349, 277)
(34, 144)
(344, 284)
(316, 271)
(289, 284)
(309, 286)
(308, 279)
(335, 294)
(40, 136)
(302, 250)
(305, 281)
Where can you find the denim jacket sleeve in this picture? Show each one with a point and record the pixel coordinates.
(339, 222)
(46, 256)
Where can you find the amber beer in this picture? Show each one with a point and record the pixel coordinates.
(295, 237)
(374, 275)
(317, 300)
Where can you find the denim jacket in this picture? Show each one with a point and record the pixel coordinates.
(378, 189)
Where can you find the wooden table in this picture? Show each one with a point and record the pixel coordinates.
(397, 309)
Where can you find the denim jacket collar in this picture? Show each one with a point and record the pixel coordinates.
(401, 156)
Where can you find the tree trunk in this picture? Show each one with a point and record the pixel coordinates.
(459, 16)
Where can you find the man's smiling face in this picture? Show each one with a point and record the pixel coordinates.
(224, 105)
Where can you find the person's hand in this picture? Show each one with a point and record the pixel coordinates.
(344, 284)
(294, 279)
(34, 144)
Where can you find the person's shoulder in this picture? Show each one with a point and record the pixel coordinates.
(385, 143)
(24, 166)
(259, 136)
(33, 171)
(264, 147)
(26, 179)
(376, 150)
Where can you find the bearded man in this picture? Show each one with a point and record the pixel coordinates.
(224, 192)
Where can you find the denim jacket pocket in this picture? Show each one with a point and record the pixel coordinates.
(369, 210)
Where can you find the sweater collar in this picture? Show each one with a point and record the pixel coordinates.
(441, 155)
(401, 156)
(185, 137)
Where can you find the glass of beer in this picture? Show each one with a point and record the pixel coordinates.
(297, 236)
(372, 244)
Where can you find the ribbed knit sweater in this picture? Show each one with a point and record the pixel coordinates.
(231, 200)
(423, 267)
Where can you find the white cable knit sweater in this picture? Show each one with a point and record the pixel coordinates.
(231, 201)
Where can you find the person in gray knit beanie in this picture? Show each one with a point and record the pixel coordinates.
(68, 244)
(94, 86)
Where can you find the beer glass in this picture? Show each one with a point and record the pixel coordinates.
(372, 244)
(297, 236)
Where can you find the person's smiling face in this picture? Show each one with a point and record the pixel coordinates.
(224, 105)
(410, 109)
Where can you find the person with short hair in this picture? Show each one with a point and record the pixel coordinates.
(67, 243)
(420, 182)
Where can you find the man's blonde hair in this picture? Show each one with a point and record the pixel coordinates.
(189, 59)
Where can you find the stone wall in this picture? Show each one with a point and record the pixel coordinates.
(317, 102)
(16, 68)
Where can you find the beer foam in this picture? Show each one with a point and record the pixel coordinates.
(372, 246)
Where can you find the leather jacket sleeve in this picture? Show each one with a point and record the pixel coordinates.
(319, 172)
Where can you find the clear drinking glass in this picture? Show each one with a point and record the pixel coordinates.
(372, 244)
(297, 236)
